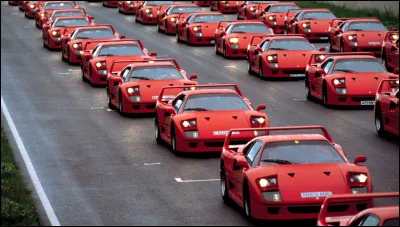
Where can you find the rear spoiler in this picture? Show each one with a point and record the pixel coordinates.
(348, 198)
(313, 59)
(194, 87)
(127, 62)
(267, 130)
(183, 16)
(257, 39)
(384, 85)
(292, 10)
(223, 24)
(163, 5)
(69, 28)
(116, 40)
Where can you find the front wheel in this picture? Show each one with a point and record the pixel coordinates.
(261, 72)
(379, 121)
(157, 131)
(325, 97)
(247, 202)
(307, 89)
(224, 184)
(188, 38)
(120, 107)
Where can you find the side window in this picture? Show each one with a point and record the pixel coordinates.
(327, 66)
(299, 15)
(344, 26)
(177, 103)
(96, 51)
(370, 220)
(229, 29)
(125, 74)
(190, 19)
(266, 9)
(253, 151)
(264, 45)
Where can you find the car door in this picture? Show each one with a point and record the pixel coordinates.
(264, 47)
(338, 34)
(391, 106)
(117, 82)
(318, 79)
(166, 121)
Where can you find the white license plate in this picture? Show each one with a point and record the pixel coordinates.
(374, 43)
(367, 103)
(297, 75)
(323, 38)
(212, 41)
(165, 97)
(315, 194)
(220, 133)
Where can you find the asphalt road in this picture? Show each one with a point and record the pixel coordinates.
(98, 168)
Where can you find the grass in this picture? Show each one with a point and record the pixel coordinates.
(17, 206)
(388, 18)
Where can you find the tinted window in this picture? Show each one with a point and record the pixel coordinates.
(67, 14)
(94, 33)
(184, 9)
(367, 26)
(264, 45)
(318, 15)
(61, 5)
(299, 15)
(125, 73)
(359, 65)
(120, 50)
(371, 220)
(155, 73)
(290, 44)
(217, 101)
(282, 9)
(209, 18)
(255, 2)
(253, 151)
(301, 152)
(250, 28)
(344, 26)
(70, 22)
(157, 3)
(327, 66)
(391, 222)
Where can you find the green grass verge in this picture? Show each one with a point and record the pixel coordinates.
(17, 206)
(388, 18)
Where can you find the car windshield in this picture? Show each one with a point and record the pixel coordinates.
(155, 73)
(216, 101)
(70, 22)
(94, 34)
(59, 5)
(184, 9)
(367, 26)
(209, 18)
(120, 50)
(358, 65)
(299, 152)
(282, 8)
(250, 28)
(257, 2)
(290, 44)
(318, 15)
(157, 3)
(66, 14)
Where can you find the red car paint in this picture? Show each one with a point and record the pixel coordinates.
(44, 11)
(223, 6)
(111, 4)
(202, 3)
(386, 109)
(167, 20)
(30, 10)
(129, 7)
(147, 13)
(247, 10)
(275, 14)
(390, 50)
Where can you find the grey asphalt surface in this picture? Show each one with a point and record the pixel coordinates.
(97, 168)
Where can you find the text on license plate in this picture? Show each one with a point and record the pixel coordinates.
(374, 43)
(212, 41)
(165, 97)
(315, 194)
(323, 38)
(219, 133)
(367, 103)
(298, 75)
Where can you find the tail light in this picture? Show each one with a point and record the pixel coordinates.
(358, 182)
(353, 40)
(257, 121)
(393, 37)
(272, 19)
(306, 26)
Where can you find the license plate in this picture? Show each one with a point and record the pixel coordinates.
(298, 75)
(165, 97)
(220, 133)
(212, 41)
(374, 43)
(323, 38)
(367, 103)
(315, 194)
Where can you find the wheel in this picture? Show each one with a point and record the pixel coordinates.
(249, 70)
(68, 54)
(261, 72)
(159, 27)
(224, 184)
(120, 106)
(110, 105)
(119, 10)
(307, 88)
(223, 50)
(165, 27)
(173, 141)
(330, 44)
(384, 61)
(157, 131)
(216, 47)
(178, 39)
(44, 44)
(37, 24)
(83, 76)
(285, 31)
(379, 126)
(188, 38)
(341, 46)
(247, 202)
(90, 76)
(62, 55)
(325, 96)
(296, 30)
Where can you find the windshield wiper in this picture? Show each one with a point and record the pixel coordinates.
(356, 29)
(344, 70)
(141, 77)
(279, 161)
(106, 55)
(239, 32)
(83, 38)
(277, 49)
(196, 109)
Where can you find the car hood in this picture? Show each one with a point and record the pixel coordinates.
(368, 38)
(320, 25)
(293, 58)
(244, 38)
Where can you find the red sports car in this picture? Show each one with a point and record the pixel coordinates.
(23, 5)
(280, 56)
(112, 4)
(357, 35)
(390, 50)
(386, 108)
(71, 45)
(135, 89)
(376, 216)
(30, 10)
(274, 15)
(246, 10)
(52, 32)
(43, 13)
(13, 3)
(198, 28)
(349, 79)
(199, 118)
(129, 7)
(223, 6)
(286, 176)
(148, 11)
(167, 19)
(313, 23)
(66, 13)
(98, 56)
(233, 37)
(202, 3)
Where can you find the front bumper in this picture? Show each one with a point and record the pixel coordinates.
(283, 72)
(227, 9)
(374, 49)
(367, 100)
(235, 52)
(74, 57)
(139, 107)
(199, 145)
(54, 44)
(203, 40)
(149, 20)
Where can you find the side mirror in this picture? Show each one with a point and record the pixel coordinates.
(259, 50)
(240, 164)
(360, 159)
(261, 107)
(396, 71)
(122, 37)
(319, 73)
(223, 33)
(169, 111)
(91, 17)
(323, 49)
(153, 54)
(193, 77)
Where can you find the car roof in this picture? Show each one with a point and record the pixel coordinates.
(93, 27)
(211, 13)
(353, 57)
(211, 91)
(67, 10)
(122, 42)
(315, 10)
(291, 137)
(362, 19)
(286, 37)
(145, 64)
(184, 4)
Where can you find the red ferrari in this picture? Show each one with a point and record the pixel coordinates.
(111, 4)
(51, 33)
(198, 118)
(274, 15)
(129, 7)
(376, 216)
(233, 37)
(280, 56)
(202, 3)
(287, 176)
(71, 45)
(147, 12)
(223, 6)
(198, 28)
(135, 89)
(66, 13)
(357, 35)
(390, 50)
(30, 10)
(386, 110)
(98, 55)
(168, 19)
(45, 11)
(23, 5)
(246, 10)
(349, 79)
(313, 23)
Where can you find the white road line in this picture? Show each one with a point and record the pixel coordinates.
(97, 108)
(110, 110)
(299, 99)
(31, 170)
(63, 73)
(152, 164)
(230, 66)
(179, 180)
(74, 70)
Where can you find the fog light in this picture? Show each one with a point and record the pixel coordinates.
(273, 65)
(235, 46)
(57, 38)
(102, 71)
(198, 34)
(341, 90)
(272, 196)
(354, 44)
(308, 30)
(135, 98)
(192, 134)
(78, 52)
(359, 190)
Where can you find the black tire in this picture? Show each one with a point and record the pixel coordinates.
(379, 126)
(37, 24)
(119, 10)
(173, 141)
(157, 131)
(325, 100)
(90, 76)
(188, 38)
(285, 31)
(68, 55)
(261, 72)
(296, 31)
(216, 47)
(165, 26)
(307, 88)
(224, 185)
(223, 49)
(83, 76)
(62, 56)
(384, 61)
(249, 70)
(44, 45)
(330, 44)
(178, 39)
(247, 202)
(109, 104)
(159, 28)
(120, 106)
(341, 46)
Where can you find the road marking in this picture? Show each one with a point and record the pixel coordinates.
(162, 55)
(179, 180)
(96, 108)
(63, 73)
(230, 66)
(29, 166)
(299, 99)
(74, 70)
(110, 110)
(152, 164)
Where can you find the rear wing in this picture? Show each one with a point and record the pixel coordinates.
(223, 24)
(118, 65)
(163, 6)
(93, 43)
(292, 11)
(317, 58)
(198, 87)
(70, 29)
(266, 131)
(348, 198)
(257, 39)
(183, 16)
(386, 85)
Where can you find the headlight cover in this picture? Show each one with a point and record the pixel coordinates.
(272, 196)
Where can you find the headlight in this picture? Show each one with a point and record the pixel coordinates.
(76, 45)
(55, 32)
(338, 81)
(394, 82)
(341, 90)
(133, 89)
(135, 98)
(270, 17)
(359, 190)
(358, 178)
(304, 25)
(100, 64)
(128, 2)
(42, 14)
(252, 8)
(196, 29)
(189, 123)
(394, 37)
(173, 19)
(147, 10)
(352, 37)
(267, 182)
(234, 40)
(192, 134)
(272, 57)
(32, 6)
(257, 120)
(272, 196)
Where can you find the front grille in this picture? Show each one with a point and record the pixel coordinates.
(213, 144)
(365, 98)
(151, 106)
(304, 210)
(273, 210)
(338, 208)
(221, 143)
(296, 71)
